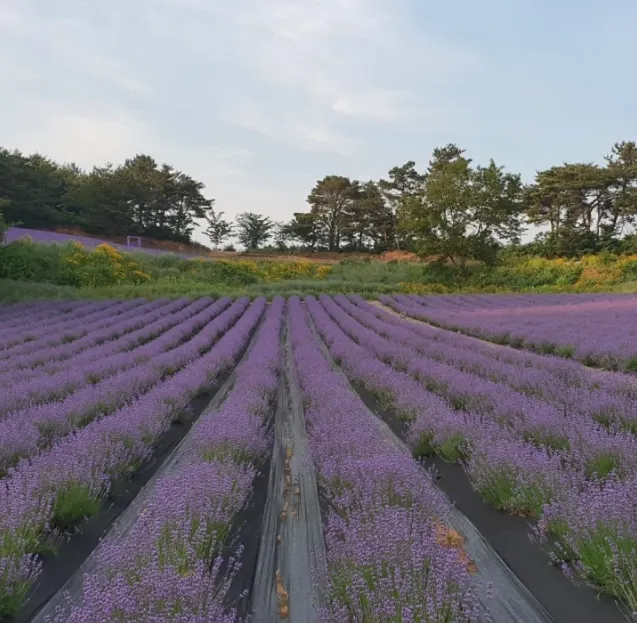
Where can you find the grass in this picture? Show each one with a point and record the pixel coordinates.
(39, 271)
(15, 291)
(73, 503)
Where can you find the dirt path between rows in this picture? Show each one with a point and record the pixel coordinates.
(292, 552)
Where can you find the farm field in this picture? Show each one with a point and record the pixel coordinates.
(153, 247)
(224, 459)
(596, 329)
(188, 251)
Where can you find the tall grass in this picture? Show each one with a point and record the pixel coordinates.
(29, 270)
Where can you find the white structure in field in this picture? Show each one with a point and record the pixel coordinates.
(134, 241)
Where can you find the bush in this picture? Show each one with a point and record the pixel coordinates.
(70, 264)
(629, 270)
(105, 268)
(24, 260)
(226, 272)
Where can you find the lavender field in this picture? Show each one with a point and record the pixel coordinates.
(14, 234)
(597, 329)
(316, 460)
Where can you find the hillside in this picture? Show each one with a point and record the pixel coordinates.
(155, 246)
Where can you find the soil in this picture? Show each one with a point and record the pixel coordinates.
(292, 546)
(246, 530)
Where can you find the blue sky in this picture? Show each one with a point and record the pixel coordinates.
(260, 98)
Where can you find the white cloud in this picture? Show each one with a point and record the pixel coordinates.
(212, 165)
(14, 72)
(180, 79)
(376, 105)
(296, 130)
(334, 61)
(106, 71)
(353, 51)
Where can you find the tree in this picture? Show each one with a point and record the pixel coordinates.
(163, 203)
(586, 207)
(622, 188)
(331, 199)
(570, 199)
(137, 197)
(253, 229)
(33, 189)
(101, 202)
(218, 229)
(465, 213)
(281, 236)
(402, 187)
(306, 228)
(369, 221)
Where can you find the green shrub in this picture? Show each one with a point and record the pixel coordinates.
(24, 260)
(629, 270)
(105, 272)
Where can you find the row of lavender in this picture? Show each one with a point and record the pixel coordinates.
(37, 411)
(385, 560)
(45, 368)
(38, 323)
(70, 476)
(496, 302)
(28, 312)
(120, 332)
(608, 399)
(598, 331)
(530, 453)
(168, 568)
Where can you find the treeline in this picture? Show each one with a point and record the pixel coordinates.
(459, 211)
(138, 197)
(454, 209)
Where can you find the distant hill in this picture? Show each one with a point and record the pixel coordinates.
(149, 245)
(194, 249)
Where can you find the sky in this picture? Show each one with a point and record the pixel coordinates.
(259, 99)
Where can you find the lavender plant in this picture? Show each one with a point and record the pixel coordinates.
(167, 568)
(538, 323)
(408, 575)
(76, 471)
(38, 426)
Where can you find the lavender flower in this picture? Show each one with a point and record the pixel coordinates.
(167, 567)
(68, 480)
(407, 574)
